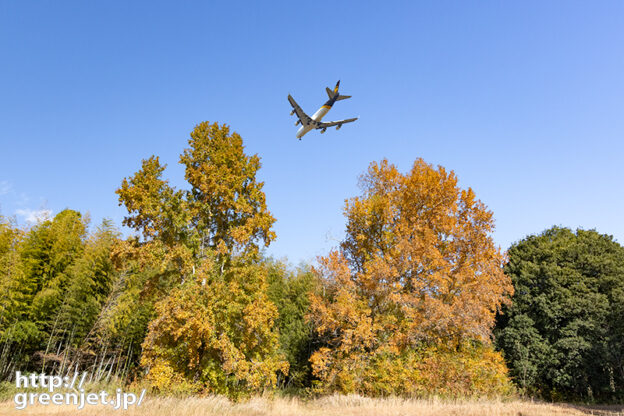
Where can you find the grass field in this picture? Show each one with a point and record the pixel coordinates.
(326, 406)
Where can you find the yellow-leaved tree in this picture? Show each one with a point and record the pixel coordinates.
(411, 294)
(213, 330)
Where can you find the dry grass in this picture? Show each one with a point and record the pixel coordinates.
(326, 406)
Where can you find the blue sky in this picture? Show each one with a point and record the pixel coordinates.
(523, 100)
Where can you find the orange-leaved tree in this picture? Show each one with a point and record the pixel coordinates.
(411, 294)
(214, 327)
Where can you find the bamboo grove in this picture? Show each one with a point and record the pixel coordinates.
(417, 300)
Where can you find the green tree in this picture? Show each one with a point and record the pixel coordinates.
(11, 274)
(290, 292)
(17, 334)
(121, 325)
(563, 335)
(35, 282)
(90, 281)
(49, 249)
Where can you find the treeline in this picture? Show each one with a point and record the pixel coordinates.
(416, 300)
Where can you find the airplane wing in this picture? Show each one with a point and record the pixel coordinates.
(303, 117)
(335, 123)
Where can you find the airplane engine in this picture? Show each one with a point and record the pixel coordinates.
(323, 131)
(297, 122)
(338, 126)
(292, 113)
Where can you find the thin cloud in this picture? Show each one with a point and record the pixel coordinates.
(33, 216)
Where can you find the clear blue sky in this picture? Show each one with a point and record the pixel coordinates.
(523, 100)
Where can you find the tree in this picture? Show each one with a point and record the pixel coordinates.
(49, 249)
(11, 274)
(289, 290)
(227, 205)
(54, 279)
(90, 280)
(216, 337)
(417, 269)
(121, 325)
(203, 244)
(225, 210)
(563, 335)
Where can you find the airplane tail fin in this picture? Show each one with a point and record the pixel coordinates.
(331, 94)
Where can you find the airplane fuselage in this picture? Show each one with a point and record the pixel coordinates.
(318, 116)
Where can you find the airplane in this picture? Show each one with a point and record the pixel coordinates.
(308, 123)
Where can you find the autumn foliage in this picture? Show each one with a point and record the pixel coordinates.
(215, 337)
(417, 276)
(405, 304)
(213, 330)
